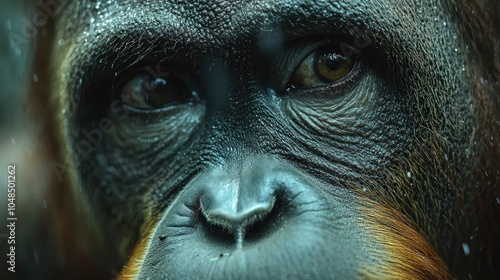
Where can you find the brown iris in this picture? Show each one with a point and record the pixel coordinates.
(332, 67)
(321, 68)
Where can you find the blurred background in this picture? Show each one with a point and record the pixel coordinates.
(21, 142)
(16, 64)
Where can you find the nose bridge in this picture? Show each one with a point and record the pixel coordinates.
(233, 99)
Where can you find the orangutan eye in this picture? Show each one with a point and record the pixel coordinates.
(322, 67)
(145, 92)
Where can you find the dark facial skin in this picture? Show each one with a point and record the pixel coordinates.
(248, 172)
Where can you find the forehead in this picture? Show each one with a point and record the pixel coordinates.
(219, 28)
(205, 20)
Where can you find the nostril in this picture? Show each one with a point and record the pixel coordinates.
(232, 225)
(216, 234)
(267, 224)
(231, 210)
(239, 202)
(249, 225)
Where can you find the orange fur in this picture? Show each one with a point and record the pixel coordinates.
(133, 267)
(405, 254)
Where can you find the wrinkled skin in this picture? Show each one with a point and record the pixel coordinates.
(369, 177)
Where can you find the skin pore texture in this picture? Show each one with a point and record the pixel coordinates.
(256, 172)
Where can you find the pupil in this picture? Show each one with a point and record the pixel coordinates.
(160, 91)
(333, 61)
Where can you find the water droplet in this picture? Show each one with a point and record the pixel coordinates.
(408, 174)
(466, 249)
(35, 78)
(13, 140)
(60, 42)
